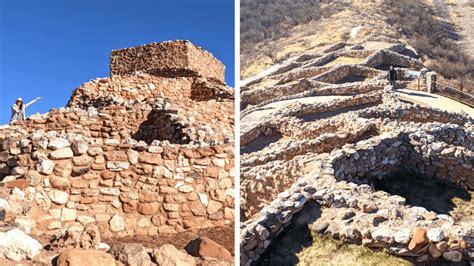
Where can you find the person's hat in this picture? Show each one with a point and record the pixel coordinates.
(19, 100)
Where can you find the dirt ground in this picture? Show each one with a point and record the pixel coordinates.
(223, 235)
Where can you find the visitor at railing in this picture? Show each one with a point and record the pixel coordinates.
(392, 76)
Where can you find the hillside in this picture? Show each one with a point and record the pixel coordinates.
(419, 24)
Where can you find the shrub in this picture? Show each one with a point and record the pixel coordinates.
(432, 38)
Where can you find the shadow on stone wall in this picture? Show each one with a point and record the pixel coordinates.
(292, 240)
(160, 125)
(419, 190)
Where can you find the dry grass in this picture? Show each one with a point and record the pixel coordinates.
(327, 251)
(463, 207)
(411, 22)
(306, 38)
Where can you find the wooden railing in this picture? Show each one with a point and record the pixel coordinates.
(456, 92)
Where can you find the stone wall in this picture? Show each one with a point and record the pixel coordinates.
(387, 57)
(124, 123)
(339, 72)
(126, 189)
(168, 59)
(141, 88)
(437, 150)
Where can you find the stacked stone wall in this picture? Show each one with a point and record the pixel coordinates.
(126, 189)
(413, 148)
(167, 59)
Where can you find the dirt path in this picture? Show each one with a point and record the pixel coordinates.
(434, 100)
(253, 118)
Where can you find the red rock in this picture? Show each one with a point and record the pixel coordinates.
(434, 251)
(150, 158)
(148, 208)
(116, 156)
(203, 152)
(129, 207)
(147, 196)
(21, 184)
(205, 247)
(77, 257)
(59, 182)
(88, 200)
(79, 184)
(419, 240)
(107, 174)
(170, 152)
(213, 171)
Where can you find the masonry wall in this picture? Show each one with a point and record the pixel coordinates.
(416, 149)
(125, 189)
(166, 58)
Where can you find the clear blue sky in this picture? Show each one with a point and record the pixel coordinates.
(50, 47)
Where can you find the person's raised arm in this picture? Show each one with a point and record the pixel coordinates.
(32, 102)
(15, 108)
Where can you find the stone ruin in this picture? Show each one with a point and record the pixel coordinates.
(144, 152)
(301, 152)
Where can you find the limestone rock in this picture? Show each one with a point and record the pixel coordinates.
(169, 255)
(58, 143)
(58, 197)
(16, 245)
(64, 153)
(213, 207)
(79, 147)
(117, 223)
(117, 166)
(130, 254)
(452, 255)
(45, 166)
(25, 223)
(403, 236)
(4, 205)
(320, 227)
(435, 234)
(87, 238)
(68, 214)
(383, 235)
(132, 156)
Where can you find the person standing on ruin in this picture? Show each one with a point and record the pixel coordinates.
(19, 108)
(392, 76)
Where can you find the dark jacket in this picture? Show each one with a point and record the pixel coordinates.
(392, 75)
